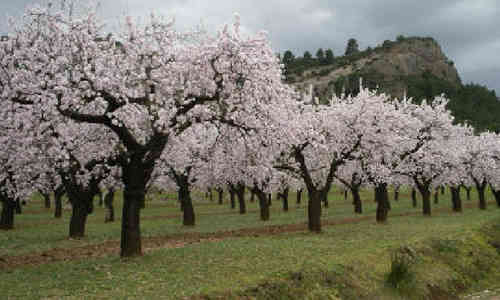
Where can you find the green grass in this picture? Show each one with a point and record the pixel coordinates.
(356, 254)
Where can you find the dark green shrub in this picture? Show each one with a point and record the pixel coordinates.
(401, 274)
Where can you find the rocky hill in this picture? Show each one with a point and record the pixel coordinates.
(416, 66)
(389, 67)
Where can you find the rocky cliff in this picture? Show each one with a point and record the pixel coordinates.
(387, 67)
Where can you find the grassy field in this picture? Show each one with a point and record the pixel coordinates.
(227, 255)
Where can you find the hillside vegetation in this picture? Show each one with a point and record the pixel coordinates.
(414, 66)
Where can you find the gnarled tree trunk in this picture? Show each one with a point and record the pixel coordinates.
(80, 211)
(455, 198)
(58, 193)
(425, 192)
(299, 196)
(382, 199)
(414, 197)
(314, 210)
(240, 194)
(284, 196)
(210, 195)
(232, 196)
(8, 211)
(467, 191)
(356, 200)
(19, 209)
(130, 243)
(263, 203)
(188, 218)
(496, 193)
(481, 187)
(81, 199)
(220, 192)
(135, 175)
(396, 193)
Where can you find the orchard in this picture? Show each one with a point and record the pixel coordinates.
(151, 108)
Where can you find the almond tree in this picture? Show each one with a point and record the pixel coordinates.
(248, 160)
(21, 171)
(320, 139)
(479, 161)
(145, 84)
(184, 161)
(494, 170)
(436, 133)
(352, 177)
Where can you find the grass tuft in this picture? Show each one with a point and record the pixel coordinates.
(401, 275)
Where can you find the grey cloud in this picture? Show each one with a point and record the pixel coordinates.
(468, 31)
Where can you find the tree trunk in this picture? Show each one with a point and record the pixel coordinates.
(426, 199)
(220, 192)
(58, 193)
(188, 218)
(396, 193)
(443, 189)
(356, 200)
(299, 196)
(8, 211)
(232, 197)
(467, 192)
(210, 195)
(382, 199)
(263, 204)
(108, 203)
(455, 199)
(269, 199)
(414, 197)
(130, 244)
(284, 196)
(240, 194)
(19, 209)
(252, 196)
(135, 175)
(496, 193)
(480, 191)
(345, 194)
(325, 201)
(314, 210)
(46, 198)
(78, 218)
(436, 196)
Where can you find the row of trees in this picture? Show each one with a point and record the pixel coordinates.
(294, 63)
(154, 107)
(322, 57)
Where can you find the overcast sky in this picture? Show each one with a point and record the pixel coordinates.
(467, 30)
